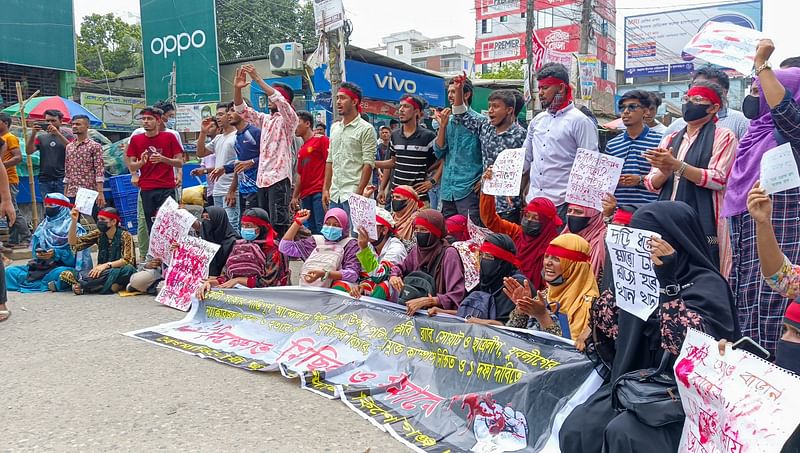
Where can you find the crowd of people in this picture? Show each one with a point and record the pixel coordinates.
(278, 189)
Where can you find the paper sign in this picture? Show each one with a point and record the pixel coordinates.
(477, 234)
(779, 170)
(469, 251)
(84, 200)
(186, 274)
(635, 282)
(727, 45)
(506, 173)
(171, 225)
(735, 402)
(362, 214)
(593, 175)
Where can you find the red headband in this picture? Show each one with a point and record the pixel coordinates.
(58, 202)
(262, 223)
(550, 81)
(561, 252)
(622, 217)
(109, 215)
(412, 101)
(499, 252)
(792, 316)
(352, 95)
(704, 92)
(409, 194)
(545, 207)
(423, 222)
(384, 222)
(284, 92)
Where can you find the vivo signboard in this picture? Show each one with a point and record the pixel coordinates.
(654, 42)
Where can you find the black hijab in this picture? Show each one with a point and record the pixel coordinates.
(493, 282)
(638, 344)
(217, 229)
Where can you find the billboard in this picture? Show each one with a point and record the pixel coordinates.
(38, 33)
(117, 112)
(487, 9)
(654, 42)
(511, 47)
(183, 32)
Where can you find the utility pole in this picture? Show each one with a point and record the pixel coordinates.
(530, 22)
(172, 92)
(334, 65)
(586, 25)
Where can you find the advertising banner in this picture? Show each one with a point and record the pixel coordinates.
(38, 33)
(559, 40)
(189, 117)
(436, 384)
(328, 15)
(117, 112)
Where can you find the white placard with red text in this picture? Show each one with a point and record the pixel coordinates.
(187, 273)
(171, 225)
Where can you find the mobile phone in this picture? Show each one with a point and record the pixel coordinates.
(749, 345)
(44, 126)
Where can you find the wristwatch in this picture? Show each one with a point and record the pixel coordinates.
(766, 65)
(670, 290)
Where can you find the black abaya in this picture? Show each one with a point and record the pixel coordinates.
(217, 229)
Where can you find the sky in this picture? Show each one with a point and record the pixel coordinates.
(457, 17)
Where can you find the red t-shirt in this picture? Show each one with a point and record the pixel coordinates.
(155, 176)
(311, 165)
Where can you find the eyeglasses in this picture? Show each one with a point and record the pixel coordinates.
(630, 107)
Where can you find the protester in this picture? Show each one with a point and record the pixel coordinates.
(352, 151)
(216, 228)
(693, 294)
(377, 258)
(310, 175)
(631, 146)
(83, 163)
(7, 210)
(405, 207)
(457, 229)
(588, 223)
(382, 153)
(209, 130)
(50, 139)
(19, 233)
(52, 253)
(554, 137)
(116, 255)
(462, 164)
(431, 256)
(166, 122)
(320, 129)
(726, 116)
(223, 147)
(275, 167)
(650, 114)
(148, 276)
(497, 133)
(702, 155)
(245, 168)
(329, 258)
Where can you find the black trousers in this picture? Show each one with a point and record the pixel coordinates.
(152, 201)
(275, 200)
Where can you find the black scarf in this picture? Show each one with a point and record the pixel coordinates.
(701, 199)
(494, 285)
(217, 229)
(108, 251)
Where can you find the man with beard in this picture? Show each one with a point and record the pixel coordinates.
(554, 137)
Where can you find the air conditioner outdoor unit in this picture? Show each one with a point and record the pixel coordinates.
(287, 56)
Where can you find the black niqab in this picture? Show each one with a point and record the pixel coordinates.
(217, 229)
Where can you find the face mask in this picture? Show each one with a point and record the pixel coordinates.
(577, 224)
(694, 112)
(171, 123)
(425, 239)
(751, 107)
(52, 211)
(787, 356)
(399, 205)
(489, 270)
(531, 228)
(249, 234)
(435, 124)
(102, 226)
(331, 233)
(379, 240)
(557, 282)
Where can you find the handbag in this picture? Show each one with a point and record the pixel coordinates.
(650, 394)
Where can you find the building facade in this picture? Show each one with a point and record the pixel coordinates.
(440, 54)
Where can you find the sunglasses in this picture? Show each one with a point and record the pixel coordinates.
(630, 107)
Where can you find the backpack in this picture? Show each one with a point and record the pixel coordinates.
(478, 304)
(326, 257)
(247, 259)
(421, 283)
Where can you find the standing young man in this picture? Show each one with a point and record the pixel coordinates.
(52, 146)
(223, 146)
(650, 115)
(83, 164)
(19, 233)
(310, 176)
(352, 151)
(155, 155)
(245, 168)
(382, 153)
(277, 138)
(7, 211)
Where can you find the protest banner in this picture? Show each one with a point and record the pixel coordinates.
(84, 200)
(362, 214)
(186, 274)
(171, 225)
(593, 175)
(734, 402)
(727, 45)
(434, 383)
(506, 173)
(635, 282)
(779, 170)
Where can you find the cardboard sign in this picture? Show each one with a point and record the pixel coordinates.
(171, 225)
(186, 274)
(635, 282)
(727, 45)
(593, 175)
(84, 200)
(362, 214)
(779, 170)
(506, 173)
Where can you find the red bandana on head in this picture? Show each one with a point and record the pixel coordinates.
(352, 95)
(565, 99)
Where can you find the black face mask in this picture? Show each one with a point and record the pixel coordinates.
(557, 282)
(787, 356)
(489, 270)
(425, 239)
(577, 224)
(52, 211)
(694, 112)
(751, 107)
(531, 228)
(380, 239)
(399, 205)
(102, 226)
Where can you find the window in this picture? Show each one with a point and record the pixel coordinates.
(398, 50)
(674, 95)
(503, 19)
(522, 15)
(486, 26)
(603, 71)
(544, 19)
(604, 28)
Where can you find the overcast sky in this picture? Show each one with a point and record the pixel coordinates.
(457, 17)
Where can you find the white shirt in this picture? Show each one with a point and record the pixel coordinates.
(224, 148)
(550, 148)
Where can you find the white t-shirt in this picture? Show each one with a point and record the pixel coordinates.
(224, 148)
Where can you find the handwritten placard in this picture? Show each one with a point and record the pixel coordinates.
(362, 214)
(779, 169)
(186, 274)
(469, 252)
(171, 225)
(84, 200)
(635, 282)
(734, 402)
(506, 173)
(726, 44)
(593, 175)
(476, 233)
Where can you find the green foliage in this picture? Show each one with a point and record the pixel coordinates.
(510, 70)
(118, 43)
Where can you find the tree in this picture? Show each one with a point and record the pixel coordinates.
(511, 70)
(246, 28)
(118, 43)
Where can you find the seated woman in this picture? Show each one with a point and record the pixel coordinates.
(328, 258)
(147, 277)
(376, 259)
(589, 224)
(694, 294)
(434, 257)
(116, 257)
(405, 206)
(52, 254)
(216, 228)
(456, 229)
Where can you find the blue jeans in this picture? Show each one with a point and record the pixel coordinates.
(314, 204)
(433, 195)
(346, 206)
(46, 187)
(232, 211)
(19, 231)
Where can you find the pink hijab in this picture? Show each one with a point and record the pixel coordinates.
(595, 235)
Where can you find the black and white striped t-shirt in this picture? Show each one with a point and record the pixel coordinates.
(413, 156)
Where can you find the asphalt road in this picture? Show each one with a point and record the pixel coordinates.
(73, 382)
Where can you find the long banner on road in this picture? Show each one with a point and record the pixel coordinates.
(436, 384)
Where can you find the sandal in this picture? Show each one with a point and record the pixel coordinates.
(4, 314)
(52, 287)
(77, 290)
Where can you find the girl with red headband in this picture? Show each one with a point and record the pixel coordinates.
(405, 206)
(589, 224)
(116, 256)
